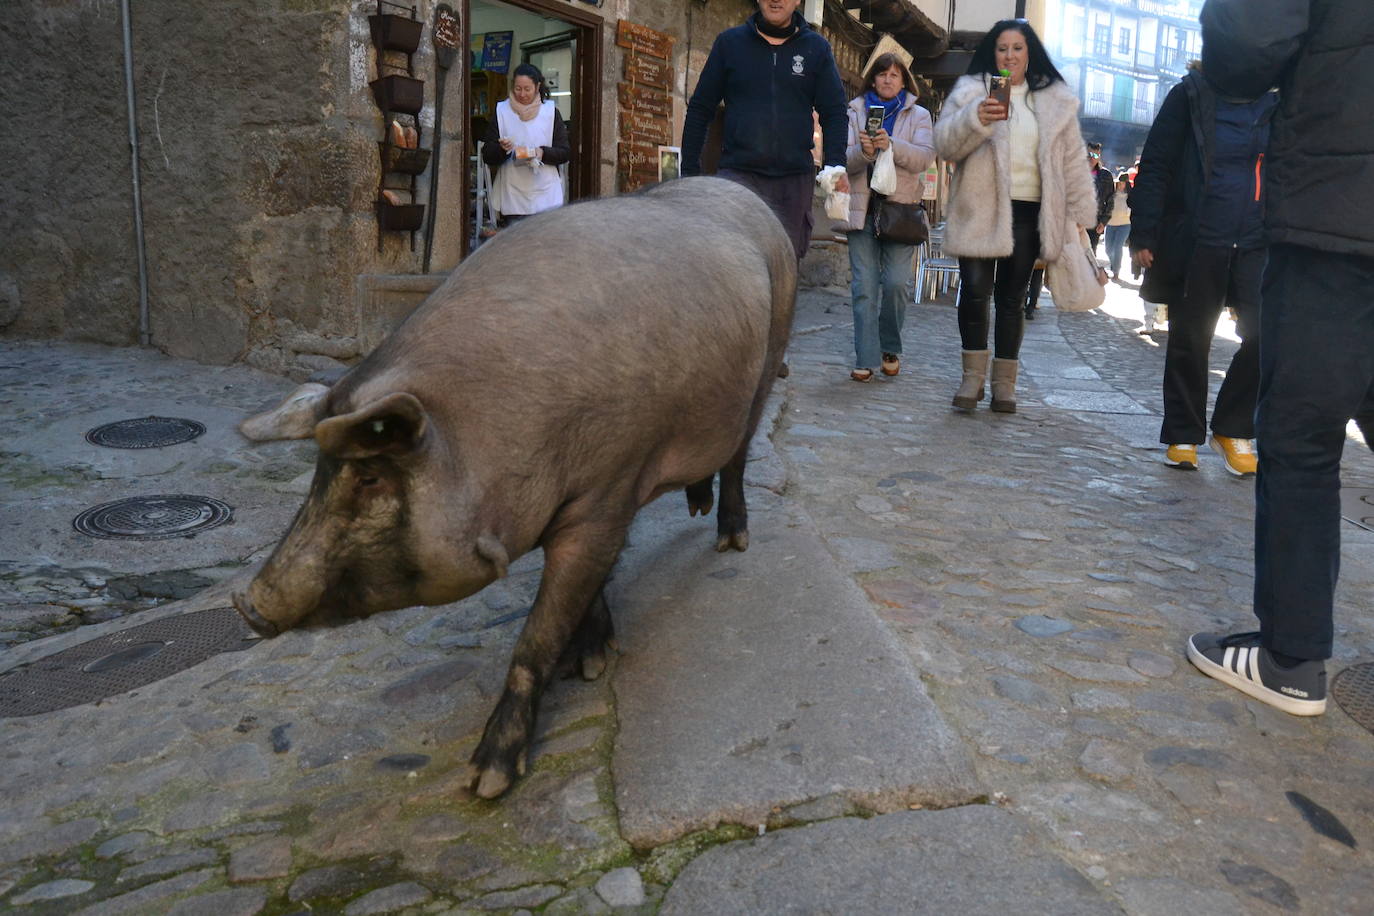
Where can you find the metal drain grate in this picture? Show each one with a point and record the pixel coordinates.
(1357, 506)
(152, 518)
(1353, 690)
(122, 661)
(145, 432)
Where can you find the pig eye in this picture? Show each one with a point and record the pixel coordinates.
(379, 426)
(367, 481)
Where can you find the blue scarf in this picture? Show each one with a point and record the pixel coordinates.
(890, 107)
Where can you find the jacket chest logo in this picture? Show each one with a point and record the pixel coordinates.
(798, 64)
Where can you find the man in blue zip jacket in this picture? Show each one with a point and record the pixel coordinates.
(771, 72)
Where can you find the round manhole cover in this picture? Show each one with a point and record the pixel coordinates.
(1353, 690)
(123, 661)
(152, 518)
(145, 432)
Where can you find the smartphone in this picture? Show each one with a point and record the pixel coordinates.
(1000, 89)
(875, 119)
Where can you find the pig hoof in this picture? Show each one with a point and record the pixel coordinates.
(738, 541)
(700, 497)
(490, 783)
(593, 666)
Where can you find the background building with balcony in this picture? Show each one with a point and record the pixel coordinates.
(1122, 57)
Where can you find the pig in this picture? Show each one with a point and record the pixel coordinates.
(579, 365)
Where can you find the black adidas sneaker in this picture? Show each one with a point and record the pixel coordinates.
(1238, 659)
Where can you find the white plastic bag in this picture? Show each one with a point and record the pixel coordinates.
(836, 202)
(884, 179)
(837, 205)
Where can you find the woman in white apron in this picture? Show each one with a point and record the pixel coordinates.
(525, 144)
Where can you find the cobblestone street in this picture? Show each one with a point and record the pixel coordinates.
(948, 673)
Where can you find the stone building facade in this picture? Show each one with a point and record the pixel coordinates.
(259, 162)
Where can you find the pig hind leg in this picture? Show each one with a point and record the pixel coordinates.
(578, 555)
(732, 518)
(586, 652)
(700, 496)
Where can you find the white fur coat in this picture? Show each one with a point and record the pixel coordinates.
(978, 213)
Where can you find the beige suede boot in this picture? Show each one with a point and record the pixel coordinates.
(975, 370)
(1004, 385)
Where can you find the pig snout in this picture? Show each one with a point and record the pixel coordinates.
(267, 609)
(260, 625)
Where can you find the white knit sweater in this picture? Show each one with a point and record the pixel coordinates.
(1025, 143)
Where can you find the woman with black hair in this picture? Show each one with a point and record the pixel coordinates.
(525, 143)
(1021, 189)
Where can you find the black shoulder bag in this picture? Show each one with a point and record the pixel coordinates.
(905, 224)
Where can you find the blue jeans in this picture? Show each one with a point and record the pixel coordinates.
(880, 277)
(1116, 237)
(1316, 372)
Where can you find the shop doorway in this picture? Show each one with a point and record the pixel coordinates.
(565, 44)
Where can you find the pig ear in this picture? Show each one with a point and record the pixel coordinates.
(293, 418)
(392, 425)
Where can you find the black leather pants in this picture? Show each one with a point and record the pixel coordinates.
(1001, 280)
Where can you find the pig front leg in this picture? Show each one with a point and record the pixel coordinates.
(578, 557)
(732, 518)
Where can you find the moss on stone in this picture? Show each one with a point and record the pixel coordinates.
(665, 862)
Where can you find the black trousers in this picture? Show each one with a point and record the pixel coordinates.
(1216, 277)
(984, 281)
(788, 196)
(1033, 290)
(1316, 372)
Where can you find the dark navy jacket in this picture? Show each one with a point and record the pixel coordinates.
(1176, 168)
(769, 92)
(1232, 212)
(1319, 180)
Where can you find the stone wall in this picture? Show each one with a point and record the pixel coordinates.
(259, 169)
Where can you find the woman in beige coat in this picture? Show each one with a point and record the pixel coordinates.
(1021, 187)
(880, 269)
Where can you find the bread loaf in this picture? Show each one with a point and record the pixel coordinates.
(391, 197)
(412, 138)
(397, 134)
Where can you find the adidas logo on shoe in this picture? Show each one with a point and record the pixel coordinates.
(1240, 660)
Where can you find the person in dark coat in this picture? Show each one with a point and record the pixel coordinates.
(1105, 186)
(1317, 323)
(1197, 228)
(771, 72)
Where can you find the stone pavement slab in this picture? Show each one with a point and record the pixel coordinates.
(1146, 776)
(976, 860)
(762, 680)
